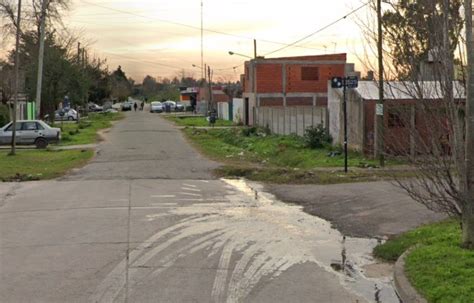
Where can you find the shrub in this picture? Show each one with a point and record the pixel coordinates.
(249, 131)
(4, 115)
(316, 137)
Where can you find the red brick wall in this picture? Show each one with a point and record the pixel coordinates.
(268, 101)
(295, 84)
(299, 101)
(269, 77)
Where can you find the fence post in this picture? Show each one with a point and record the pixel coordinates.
(296, 110)
(304, 120)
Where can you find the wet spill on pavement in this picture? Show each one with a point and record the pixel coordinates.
(268, 236)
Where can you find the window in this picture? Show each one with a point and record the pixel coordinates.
(309, 73)
(395, 119)
(29, 126)
(10, 128)
(39, 126)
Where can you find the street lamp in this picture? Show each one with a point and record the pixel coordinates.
(242, 55)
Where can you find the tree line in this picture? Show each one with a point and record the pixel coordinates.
(68, 69)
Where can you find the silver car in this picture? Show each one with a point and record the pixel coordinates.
(65, 114)
(30, 132)
(156, 107)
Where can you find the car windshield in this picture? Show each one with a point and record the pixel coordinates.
(155, 103)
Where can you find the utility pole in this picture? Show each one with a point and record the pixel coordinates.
(468, 217)
(209, 76)
(203, 70)
(39, 79)
(379, 113)
(78, 53)
(255, 48)
(17, 72)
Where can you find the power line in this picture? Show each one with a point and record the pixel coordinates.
(294, 44)
(192, 26)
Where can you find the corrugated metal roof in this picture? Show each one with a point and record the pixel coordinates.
(405, 90)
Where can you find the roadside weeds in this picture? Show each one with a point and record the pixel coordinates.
(284, 159)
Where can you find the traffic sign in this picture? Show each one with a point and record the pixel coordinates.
(337, 82)
(352, 82)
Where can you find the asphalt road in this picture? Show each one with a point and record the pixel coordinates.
(146, 222)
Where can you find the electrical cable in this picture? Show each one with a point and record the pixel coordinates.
(318, 31)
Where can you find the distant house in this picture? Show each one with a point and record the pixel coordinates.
(401, 113)
(289, 94)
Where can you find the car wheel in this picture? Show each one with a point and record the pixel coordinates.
(70, 118)
(41, 143)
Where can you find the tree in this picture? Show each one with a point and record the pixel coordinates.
(411, 31)
(149, 86)
(468, 182)
(437, 125)
(121, 88)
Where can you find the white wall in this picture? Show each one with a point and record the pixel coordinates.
(238, 110)
(223, 110)
(334, 108)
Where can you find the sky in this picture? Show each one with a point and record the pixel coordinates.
(163, 39)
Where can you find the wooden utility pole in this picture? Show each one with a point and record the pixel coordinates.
(379, 113)
(468, 211)
(203, 70)
(209, 76)
(39, 80)
(17, 75)
(255, 48)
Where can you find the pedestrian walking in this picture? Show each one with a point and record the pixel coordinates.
(135, 106)
(142, 105)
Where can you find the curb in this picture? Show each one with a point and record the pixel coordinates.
(406, 292)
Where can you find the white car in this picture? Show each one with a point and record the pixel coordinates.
(156, 107)
(66, 114)
(35, 132)
(174, 106)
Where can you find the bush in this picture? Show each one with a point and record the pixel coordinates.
(4, 115)
(316, 137)
(249, 131)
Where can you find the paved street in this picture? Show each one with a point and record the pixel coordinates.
(146, 222)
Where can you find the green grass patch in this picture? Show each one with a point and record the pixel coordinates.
(40, 164)
(197, 121)
(438, 267)
(260, 156)
(274, 150)
(85, 132)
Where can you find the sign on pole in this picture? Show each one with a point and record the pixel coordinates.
(344, 83)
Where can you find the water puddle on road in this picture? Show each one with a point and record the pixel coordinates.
(253, 239)
(347, 257)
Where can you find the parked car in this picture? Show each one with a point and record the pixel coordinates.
(127, 105)
(35, 132)
(156, 107)
(65, 114)
(95, 108)
(174, 106)
(117, 106)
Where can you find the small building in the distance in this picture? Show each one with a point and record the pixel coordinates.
(408, 119)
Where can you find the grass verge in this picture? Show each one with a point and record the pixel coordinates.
(85, 132)
(196, 121)
(29, 165)
(280, 159)
(438, 267)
